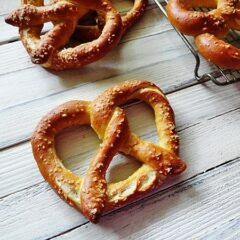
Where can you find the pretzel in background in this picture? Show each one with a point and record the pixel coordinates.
(51, 49)
(209, 28)
(48, 49)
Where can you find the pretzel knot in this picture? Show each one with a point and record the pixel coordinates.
(91, 194)
(209, 27)
(48, 49)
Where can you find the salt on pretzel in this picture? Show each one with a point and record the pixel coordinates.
(91, 194)
(218, 51)
(48, 49)
(208, 27)
(88, 33)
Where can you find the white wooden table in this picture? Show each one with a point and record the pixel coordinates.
(202, 203)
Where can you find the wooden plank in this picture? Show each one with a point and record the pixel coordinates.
(7, 6)
(29, 214)
(206, 207)
(48, 89)
(127, 59)
(26, 113)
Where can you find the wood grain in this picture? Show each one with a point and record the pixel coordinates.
(206, 138)
(206, 207)
(202, 203)
(43, 88)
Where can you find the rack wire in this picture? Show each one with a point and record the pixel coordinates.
(220, 76)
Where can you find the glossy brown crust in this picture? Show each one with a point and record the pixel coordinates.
(49, 49)
(208, 27)
(194, 23)
(91, 194)
(217, 51)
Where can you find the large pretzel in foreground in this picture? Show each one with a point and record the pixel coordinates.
(48, 49)
(209, 27)
(91, 194)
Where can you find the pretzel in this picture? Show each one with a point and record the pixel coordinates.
(91, 194)
(48, 49)
(218, 51)
(88, 33)
(209, 28)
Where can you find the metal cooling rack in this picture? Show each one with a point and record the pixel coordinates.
(220, 77)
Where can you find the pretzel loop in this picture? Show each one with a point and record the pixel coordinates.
(92, 194)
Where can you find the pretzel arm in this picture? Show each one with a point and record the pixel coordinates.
(30, 15)
(94, 186)
(219, 52)
(40, 49)
(91, 51)
(136, 11)
(158, 158)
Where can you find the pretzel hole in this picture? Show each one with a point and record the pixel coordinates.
(121, 167)
(200, 5)
(46, 27)
(90, 19)
(142, 121)
(76, 146)
(123, 6)
(201, 9)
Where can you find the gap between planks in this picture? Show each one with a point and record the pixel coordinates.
(151, 71)
(172, 90)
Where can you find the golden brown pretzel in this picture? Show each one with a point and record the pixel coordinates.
(218, 51)
(208, 27)
(92, 195)
(88, 33)
(49, 50)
